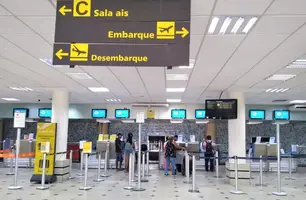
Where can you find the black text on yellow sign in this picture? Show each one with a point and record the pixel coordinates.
(83, 8)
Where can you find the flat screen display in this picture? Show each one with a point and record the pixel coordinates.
(257, 114)
(21, 110)
(221, 108)
(98, 113)
(281, 114)
(200, 114)
(122, 113)
(178, 114)
(45, 113)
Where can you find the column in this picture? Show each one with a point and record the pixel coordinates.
(211, 130)
(60, 115)
(236, 129)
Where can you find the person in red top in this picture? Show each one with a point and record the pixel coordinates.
(209, 149)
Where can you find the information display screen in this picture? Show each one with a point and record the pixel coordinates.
(257, 114)
(200, 114)
(98, 113)
(45, 113)
(221, 108)
(178, 114)
(122, 113)
(281, 114)
(21, 110)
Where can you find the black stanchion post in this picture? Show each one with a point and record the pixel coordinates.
(236, 191)
(43, 176)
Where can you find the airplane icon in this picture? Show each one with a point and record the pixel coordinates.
(162, 29)
(75, 49)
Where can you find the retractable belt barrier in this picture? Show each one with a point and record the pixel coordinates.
(99, 168)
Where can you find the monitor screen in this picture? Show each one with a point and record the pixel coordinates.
(45, 113)
(281, 114)
(178, 114)
(98, 113)
(200, 114)
(21, 110)
(122, 113)
(221, 108)
(257, 114)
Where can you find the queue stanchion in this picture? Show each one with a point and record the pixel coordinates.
(11, 172)
(236, 191)
(130, 187)
(193, 189)
(217, 164)
(99, 169)
(133, 167)
(148, 159)
(15, 186)
(279, 185)
(290, 168)
(139, 188)
(70, 165)
(85, 187)
(261, 174)
(143, 179)
(105, 174)
(82, 164)
(43, 176)
(187, 173)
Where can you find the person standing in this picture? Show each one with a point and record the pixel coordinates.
(119, 152)
(128, 150)
(170, 155)
(209, 149)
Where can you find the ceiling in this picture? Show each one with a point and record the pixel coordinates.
(228, 63)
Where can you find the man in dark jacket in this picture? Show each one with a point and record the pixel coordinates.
(119, 152)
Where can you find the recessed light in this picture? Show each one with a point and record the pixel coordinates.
(249, 25)
(213, 25)
(280, 77)
(10, 99)
(237, 25)
(81, 76)
(298, 64)
(112, 100)
(175, 89)
(297, 101)
(177, 77)
(225, 25)
(277, 90)
(25, 89)
(174, 100)
(98, 89)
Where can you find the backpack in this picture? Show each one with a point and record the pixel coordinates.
(209, 147)
(170, 150)
(128, 148)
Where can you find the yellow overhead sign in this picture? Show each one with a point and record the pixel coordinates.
(82, 8)
(165, 30)
(79, 52)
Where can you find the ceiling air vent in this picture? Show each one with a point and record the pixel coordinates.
(150, 105)
(279, 101)
(297, 108)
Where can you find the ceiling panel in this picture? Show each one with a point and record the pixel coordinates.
(42, 25)
(154, 85)
(176, 84)
(201, 7)
(11, 25)
(214, 53)
(279, 25)
(241, 7)
(29, 7)
(195, 42)
(264, 85)
(285, 7)
(3, 11)
(199, 24)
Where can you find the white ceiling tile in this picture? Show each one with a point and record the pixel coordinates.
(285, 7)
(241, 7)
(3, 11)
(154, 79)
(176, 84)
(42, 25)
(195, 43)
(202, 7)
(199, 24)
(29, 7)
(11, 25)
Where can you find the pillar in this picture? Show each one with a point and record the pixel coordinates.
(60, 115)
(211, 130)
(236, 128)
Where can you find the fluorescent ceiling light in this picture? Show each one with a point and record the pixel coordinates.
(277, 90)
(202, 121)
(10, 99)
(25, 89)
(113, 100)
(176, 121)
(298, 64)
(249, 25)
(175, 89)
(177, 77)
(81, 76)
(225, 25)
(213, 25)
(98, 89)
(297, 101)
(174, 100)
(280, 77)
(128, 121)
(237, 25)
(254, 122)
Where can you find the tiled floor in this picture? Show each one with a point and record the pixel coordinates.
(158, 187)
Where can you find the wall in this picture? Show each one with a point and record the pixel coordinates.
(83, 111)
